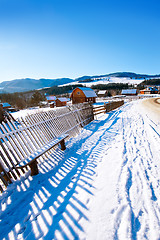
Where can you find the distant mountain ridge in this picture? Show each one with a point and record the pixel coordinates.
(132, 75)
(27, 84)
(120, 75)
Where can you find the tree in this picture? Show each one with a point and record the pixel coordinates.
(36, 98)
(20, 103)
(109, 94)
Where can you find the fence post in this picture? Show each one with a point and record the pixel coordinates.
(1, 113)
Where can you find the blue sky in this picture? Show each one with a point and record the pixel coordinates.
(72, 38)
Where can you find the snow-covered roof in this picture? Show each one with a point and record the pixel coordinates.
(44, 102)
(149, 89)
(102, 92)
(145, 90)
(88, 92)
(5, 104)
(63, 99)
(152, 88)
(129, 91)
(51, 98)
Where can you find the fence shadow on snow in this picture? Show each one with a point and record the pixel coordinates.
(48, 207)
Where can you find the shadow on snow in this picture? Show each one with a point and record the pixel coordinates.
(47, 205)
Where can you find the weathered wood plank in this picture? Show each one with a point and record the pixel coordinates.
(22, 139)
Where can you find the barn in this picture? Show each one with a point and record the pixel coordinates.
(83, 94)
(61, 101)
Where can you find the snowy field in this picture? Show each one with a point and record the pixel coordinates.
(107, 80)
(105, 185)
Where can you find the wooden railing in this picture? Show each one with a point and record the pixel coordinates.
(113, 105)
(107, 107)
(98, 110)
(19, 139)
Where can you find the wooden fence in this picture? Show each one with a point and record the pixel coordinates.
(98, 110)
(107, 107)
(113, 105)
(18, 139)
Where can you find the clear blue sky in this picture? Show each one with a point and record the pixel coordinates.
(71, 38)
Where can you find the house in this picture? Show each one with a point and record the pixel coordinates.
(43, 104)
(5, 105)
(52, 104)
(158, 87)
(102, 93)
(83, 94)
(129, 92)
(61, 101)
(3, 108)
(149, 90)
(51, 98)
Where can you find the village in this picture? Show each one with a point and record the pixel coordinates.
(79, 120)
(82, 106)
(84, 94)
(60, 164)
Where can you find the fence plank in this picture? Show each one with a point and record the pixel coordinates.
(19, 139)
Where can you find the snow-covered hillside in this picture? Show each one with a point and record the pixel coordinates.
(104, 186)
(107, 80)
(27, 84)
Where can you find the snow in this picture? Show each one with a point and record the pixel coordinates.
(63, 99)
(29, 111)
(88, 92)
(51, 98)
(107, 81)
(129, 91)
(102, 92)
(23, 113)
(105, 185)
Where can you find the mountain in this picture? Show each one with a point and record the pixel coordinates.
(118, 75)
(83, 78)
(131, 75)
(27, 84)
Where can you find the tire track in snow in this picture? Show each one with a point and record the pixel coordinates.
(138, 213)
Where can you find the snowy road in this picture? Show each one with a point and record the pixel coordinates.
(104, 186)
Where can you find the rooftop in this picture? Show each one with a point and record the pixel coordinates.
(5, 104)
(129, 91)
(89, 92)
